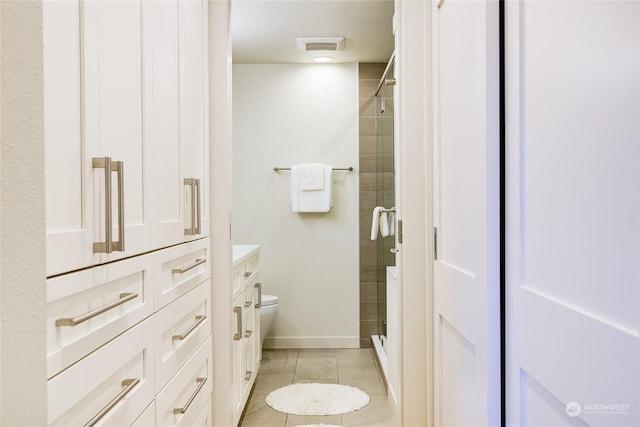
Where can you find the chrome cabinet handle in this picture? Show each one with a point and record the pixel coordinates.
(248, 375)
(198, 213)
(248, 333)
(259, 303)
(248, 274)
(80, 319)
(199, 320)
(105, 163)
(128, 385)
(238, 334)
(109, 245)
(118, 167)
(198, 262)
(200, 381)
(191, 230)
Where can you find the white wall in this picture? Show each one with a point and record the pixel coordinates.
(22, 227)
(285, 114)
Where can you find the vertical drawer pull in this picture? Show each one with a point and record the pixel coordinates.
(238, 334)
(191, 183)
(199, 319)
(198, 262)
(118, 167)
(128, 385)
(200, 381)
(77, 320)
(259, 303)
(198, 213)
(105, 163)
(109, 245)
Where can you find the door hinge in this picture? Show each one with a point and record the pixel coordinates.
(435, 243)
(399, 231)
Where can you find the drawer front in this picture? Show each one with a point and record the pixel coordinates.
(179, 403)
(121, 372)
(180, 328)
(203, 419)
(148, 417)
(88, 308)
(245, 275)
(180, 269)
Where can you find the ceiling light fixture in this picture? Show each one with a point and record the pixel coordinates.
(322, 58)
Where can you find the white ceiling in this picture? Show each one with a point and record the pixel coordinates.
(265, 31)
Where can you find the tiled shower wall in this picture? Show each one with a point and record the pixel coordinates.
(375, 169)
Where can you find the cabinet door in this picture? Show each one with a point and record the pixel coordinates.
(237, 333)
(160, 89)
(192, 37)
(113, 121)
(69, 190)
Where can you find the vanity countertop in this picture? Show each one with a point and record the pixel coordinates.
(242, 252)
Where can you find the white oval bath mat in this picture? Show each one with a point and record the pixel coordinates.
(317, 399)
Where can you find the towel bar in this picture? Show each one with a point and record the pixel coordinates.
(278, 169)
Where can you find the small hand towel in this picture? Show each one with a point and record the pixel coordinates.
(313, 200)
(384, 224)
(311, 176)
(375, 221)
(392, 223)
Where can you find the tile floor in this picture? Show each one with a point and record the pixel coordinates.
(354, 367)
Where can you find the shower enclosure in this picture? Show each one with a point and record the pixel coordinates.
(385, 197)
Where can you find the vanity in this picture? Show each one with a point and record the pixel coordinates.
(245, 333)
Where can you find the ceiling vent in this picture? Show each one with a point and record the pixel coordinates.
(315, 44)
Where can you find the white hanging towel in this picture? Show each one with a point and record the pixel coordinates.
(310, 200)
(311, 176)
(375, 222)
(392, 223)
(384, 224)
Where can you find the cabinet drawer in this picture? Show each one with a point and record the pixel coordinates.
(245, 274)
(180, 328)
(203, 419)
(88, 308)
(148, 417)
(180, 269)
(180, 401)
(120, 373)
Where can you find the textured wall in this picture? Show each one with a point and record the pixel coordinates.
(22, 227)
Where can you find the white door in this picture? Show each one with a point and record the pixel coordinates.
(573, 213)
(69, 190)
(466, 214)
(160, 79)
(113, 118)
(192, 36)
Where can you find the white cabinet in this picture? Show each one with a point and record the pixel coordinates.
(246, 322)
(161, 120)
(128, 292)
(112, 385)
(126, 128)
(194, 132)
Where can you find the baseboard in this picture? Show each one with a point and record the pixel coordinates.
(311, 342)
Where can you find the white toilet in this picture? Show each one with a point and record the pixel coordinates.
(268, 311)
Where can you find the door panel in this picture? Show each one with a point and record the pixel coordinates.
(466, 214)
(573, 209)
(68, 193)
